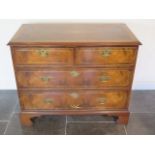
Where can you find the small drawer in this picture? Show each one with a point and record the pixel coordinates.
(73, 100)
(43, 56)
(105, 55)
(79, 78)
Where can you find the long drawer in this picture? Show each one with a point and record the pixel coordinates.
(80, 78)
(105, 56)
(43, 56)
(73, 100)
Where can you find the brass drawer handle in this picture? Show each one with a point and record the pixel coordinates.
(43, 52)
(102, 100)
(75, 106)
(48, 100)
(45, 78)
(105, 53)
(74, 73)
(74, 95)
(104, 78)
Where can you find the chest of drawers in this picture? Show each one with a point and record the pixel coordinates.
(74, 69)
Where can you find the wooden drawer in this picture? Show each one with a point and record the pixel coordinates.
(74, 100)
(105, 55)
(81, 78)
(43, 56)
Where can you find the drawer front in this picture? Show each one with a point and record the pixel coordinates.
(81, 78)
(40, 56)
(74, 100)
(105, 56)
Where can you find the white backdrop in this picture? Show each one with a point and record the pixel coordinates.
(143, 29)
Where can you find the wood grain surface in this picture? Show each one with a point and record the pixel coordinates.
(74, 69)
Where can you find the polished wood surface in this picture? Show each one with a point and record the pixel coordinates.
(105, 55)
(71, 100)
(74, 78)
(54, 56)
(75, 34)
(74, 69)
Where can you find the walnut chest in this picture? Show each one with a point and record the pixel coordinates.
(74, 69)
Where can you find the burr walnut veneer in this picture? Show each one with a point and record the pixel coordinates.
(74, 69)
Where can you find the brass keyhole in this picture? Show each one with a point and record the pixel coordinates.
(48, 100)
(74, 73)
(106, 52)
(43, 52)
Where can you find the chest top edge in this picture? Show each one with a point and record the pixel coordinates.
(78, 34)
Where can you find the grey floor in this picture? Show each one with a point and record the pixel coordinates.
(141, 122)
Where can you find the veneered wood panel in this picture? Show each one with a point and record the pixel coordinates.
(74, 34)
(74, 78)
(43, 56)
(105, 55)
(73, 100)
